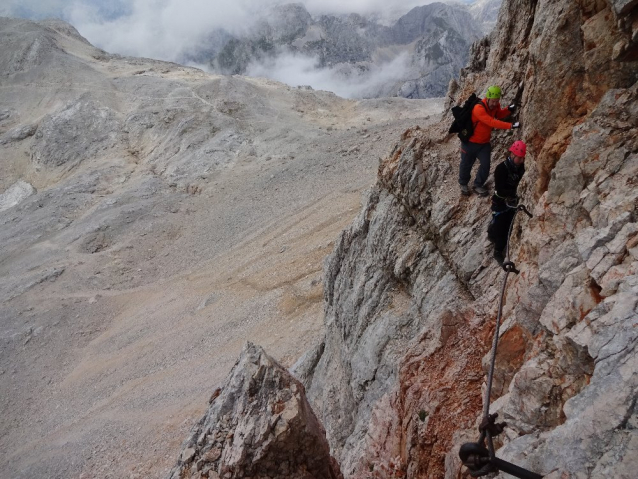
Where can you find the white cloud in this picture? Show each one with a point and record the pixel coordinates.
(165, 29)
(363, 6)
(35, 9)
(161, 29)
(297, 70)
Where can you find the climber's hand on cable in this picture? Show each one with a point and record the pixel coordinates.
(516, 125)
(511, 201)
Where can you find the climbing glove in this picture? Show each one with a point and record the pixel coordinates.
(512, 107)
(516, 125)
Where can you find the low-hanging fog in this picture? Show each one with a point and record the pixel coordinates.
(301, 70)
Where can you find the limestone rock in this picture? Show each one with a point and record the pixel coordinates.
(425, 19)
(34, 53)
(15, 194)
(259, 425)
(486, 12)
(401, 313)
(80, 131)
(412, 276)
(19, 134)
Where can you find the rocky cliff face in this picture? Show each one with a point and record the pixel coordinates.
(411, 289)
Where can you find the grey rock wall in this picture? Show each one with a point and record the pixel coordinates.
(409, 263)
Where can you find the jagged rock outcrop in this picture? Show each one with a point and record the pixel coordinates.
(438, 57)
(557, 63)
(408, 276)
(18, 134)
(441, 37)
(411, 290)
(259, 425)
(427, 19)
(573, 400)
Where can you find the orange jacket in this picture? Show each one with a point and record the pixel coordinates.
(485, 120)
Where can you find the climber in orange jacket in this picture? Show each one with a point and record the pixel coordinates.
(486, 116)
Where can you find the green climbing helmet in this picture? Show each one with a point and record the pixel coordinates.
(493, 92)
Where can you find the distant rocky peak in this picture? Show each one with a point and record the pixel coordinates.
(485, 12)
(288, 21)
(290, 10)
(65, 29)
(426, 19)
(414, 56)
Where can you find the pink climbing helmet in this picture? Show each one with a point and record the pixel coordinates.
(519, 148)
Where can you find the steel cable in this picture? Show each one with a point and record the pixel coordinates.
(490, 377)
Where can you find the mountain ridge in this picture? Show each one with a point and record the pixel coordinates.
(349, 44)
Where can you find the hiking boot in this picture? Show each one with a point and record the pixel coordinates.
(499, 257)
(465, 191)
(481, 191)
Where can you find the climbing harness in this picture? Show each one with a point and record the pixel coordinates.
(481, 460)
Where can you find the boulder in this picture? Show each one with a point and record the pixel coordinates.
(16, 194)
(259, 425)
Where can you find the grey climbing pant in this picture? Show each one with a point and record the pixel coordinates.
(469, 153)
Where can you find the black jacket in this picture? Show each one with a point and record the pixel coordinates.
(507, 176)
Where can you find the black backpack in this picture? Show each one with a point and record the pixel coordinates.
(462, 123)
